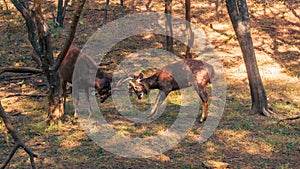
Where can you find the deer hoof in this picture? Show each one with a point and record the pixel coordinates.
(202, 119)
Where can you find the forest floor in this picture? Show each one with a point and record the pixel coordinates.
(242, 140)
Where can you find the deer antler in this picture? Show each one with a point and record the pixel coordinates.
(120, 82)
(131, 83)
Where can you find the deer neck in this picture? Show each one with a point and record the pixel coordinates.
(151, 81)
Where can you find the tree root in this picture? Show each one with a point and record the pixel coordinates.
(289, 118)
(17, 139)
(267, 112)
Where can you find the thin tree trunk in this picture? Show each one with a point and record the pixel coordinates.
(106, 12)
(238, 12)
(190, 34)
(61, 11)
(169, 29)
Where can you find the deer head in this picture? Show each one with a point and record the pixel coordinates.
(102, 85)
(138, 86)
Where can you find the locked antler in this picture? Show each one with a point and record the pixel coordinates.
(120, 82)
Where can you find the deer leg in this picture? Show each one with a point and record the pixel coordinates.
(88, 99)
(75, 91)
(204, 110)
(64, 88)
(159, 100)
(204, 98)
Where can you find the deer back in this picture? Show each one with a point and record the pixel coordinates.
(67, 66)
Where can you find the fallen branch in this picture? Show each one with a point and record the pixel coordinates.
(14, 69)
(25, 94)
(27, 76)
(16, 137)
(289, 118)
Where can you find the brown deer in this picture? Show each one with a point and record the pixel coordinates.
(173, 77)
(102, 81)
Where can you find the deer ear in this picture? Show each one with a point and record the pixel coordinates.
(140, 76)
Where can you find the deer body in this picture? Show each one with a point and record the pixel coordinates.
(66, 70)
(174, 77)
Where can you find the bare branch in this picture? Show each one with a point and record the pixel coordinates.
(289, 118)
(70, 39)
(26, 12)
(16, 137)
(20, 70)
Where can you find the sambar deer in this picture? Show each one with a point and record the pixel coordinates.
(173, 77)
(102, 81)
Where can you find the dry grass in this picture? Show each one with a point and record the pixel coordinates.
(241, 139)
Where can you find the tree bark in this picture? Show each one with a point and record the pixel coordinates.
(169, 29)
(238, 12)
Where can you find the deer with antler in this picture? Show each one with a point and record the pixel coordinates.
(172, 77)
(102, 82)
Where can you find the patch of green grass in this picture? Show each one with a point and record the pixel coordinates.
(51, 153)
(100, 151)
(281, 131)
(263, 163)
(102, 159)
(53, 128)
(257, 5)
(85, 142)
(284, 166)
(273, 141)
(17, 166)
(37, 128)
(291, 145)
(147, 133)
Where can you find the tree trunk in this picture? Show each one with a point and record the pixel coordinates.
(190, 34)
(169, 29)
(106, 12)
(238, 12)
(61, 11)
(55, 91)
(39, 36)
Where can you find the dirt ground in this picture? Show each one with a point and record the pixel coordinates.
(241, 139)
